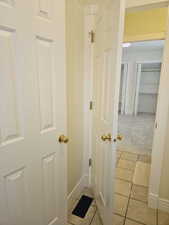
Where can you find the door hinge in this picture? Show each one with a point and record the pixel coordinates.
(92, 36)
(91, 105)
(156, 125)
(90, 162)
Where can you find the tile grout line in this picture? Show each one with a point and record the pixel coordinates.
(125, 217)
(129, 195)
(93, 217)
(157, 216)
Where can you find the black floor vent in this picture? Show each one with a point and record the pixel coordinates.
(82, 206)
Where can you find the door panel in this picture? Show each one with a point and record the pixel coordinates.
(32, 112)
(107, 67)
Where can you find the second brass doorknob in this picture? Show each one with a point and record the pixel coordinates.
(106, 137)
(63, 139)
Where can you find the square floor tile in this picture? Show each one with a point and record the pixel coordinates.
(140, 212)
(96, 220)
(131, 222)
(124, 174)
(139, 193)
(122, 187)
(83, 221)
(120, 204)
(163, 218)
(126, 164)
(118, 220)
(144, 158)
(129, 156)
(142, 174)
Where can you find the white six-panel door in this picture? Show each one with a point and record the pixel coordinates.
(107, 67)
(32, 112)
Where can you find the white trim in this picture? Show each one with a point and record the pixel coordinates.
(153, 201)
(164, 205)
(148, 61)
(133, 5)
(158, 203)
(124, 88)
(83, 182)
(89, 19)
(159, 142)
(137, 87)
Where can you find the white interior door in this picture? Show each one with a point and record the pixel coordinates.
(107, 69)
(32, 112)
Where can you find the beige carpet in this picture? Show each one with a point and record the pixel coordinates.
(142, 174)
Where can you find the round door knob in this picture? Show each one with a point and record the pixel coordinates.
(119, 137)
(106, 137)
(63, 139)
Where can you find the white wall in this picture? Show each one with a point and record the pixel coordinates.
(132, 56)
(75, 79)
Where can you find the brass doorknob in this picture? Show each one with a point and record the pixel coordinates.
(119, 137)
(63, 139)
(106, 137)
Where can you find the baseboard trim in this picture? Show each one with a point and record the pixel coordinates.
(158, 203)
(164, 205)
(153, 201)
(82, 183)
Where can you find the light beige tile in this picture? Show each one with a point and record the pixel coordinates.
(145, 158)
(131, 222)
(124, 174)
(122, 187)
(163, 218)
(139, 193)
(120, 204)
(140, 212)
(96, 220)
(129, 156)
(118, 220)
(126, 164)
(80, 221)
(142, 174)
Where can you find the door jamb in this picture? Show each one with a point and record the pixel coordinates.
(89, 19)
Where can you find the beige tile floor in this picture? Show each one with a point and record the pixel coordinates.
(130, 204)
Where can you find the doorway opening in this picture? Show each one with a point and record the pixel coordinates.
(139, 87)
(140, 77)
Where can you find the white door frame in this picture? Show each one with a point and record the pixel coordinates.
(160, 131)
(124, 88)
(89, 20)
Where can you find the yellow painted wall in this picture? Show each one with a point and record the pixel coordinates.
(145, 25)
(75, 34)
